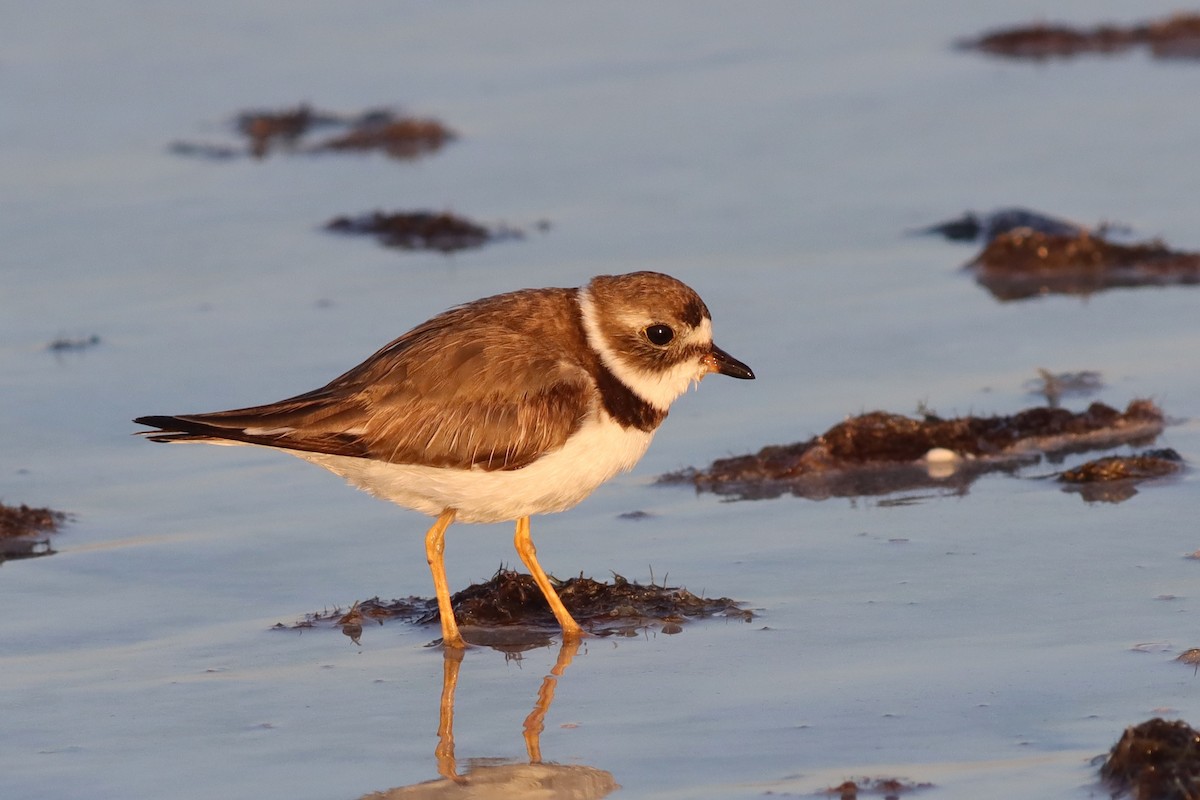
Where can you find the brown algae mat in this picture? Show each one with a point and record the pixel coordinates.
(871, 787)
(879, 452)
(423, 230)
(511, 600)
(1156, 760)
(1027, 254)
(73, 344)
(1054, 386)
(1177, 36)
(404, 138)
(1143, 466)
(1113, 479)
(973, 226)
(291, 131)
(20, 529)
(1023, 263)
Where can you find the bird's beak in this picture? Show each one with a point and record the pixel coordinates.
(720, 361)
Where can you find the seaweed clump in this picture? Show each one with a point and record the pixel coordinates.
(23, 520)
(889, 788)
(512, 600)
(1150, 464)
(404, 138)
(266, 130)
(422, 230)
(288, 130)
(880, 452)
(1026, 253)
(984, 227)
(68, 344)
(21, 525)
(1177, 36)
(1055, 385)
(1112, 479)
(1023, 263)
(1156, 760)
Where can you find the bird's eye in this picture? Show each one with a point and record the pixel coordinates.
(660, 335)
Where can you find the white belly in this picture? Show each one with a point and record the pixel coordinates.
(555, 482)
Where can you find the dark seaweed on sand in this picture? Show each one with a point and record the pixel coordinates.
(290, 129)
(1156, 760)
(1142, 466)
(422, 230)
(1024, 263)
(1113, 479)
(1056, 385)
(1177, 36)
(880, 452)
(20, 527)
(884, 787)
(512, 599)
(974, 226)
(23, 520)
(404, 138)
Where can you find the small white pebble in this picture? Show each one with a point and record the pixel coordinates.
(941, 455)
(941, 463)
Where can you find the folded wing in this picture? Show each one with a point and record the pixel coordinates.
(438, 395)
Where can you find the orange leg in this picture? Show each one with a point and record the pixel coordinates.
(447, 765)
(535, 723)
(528, 554)
(435, 545)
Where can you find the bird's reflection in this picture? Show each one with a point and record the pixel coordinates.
(535, 779)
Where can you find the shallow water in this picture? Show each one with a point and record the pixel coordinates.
(991, 643)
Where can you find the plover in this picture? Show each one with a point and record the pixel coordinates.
(513, 405)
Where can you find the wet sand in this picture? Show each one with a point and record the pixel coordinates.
(991, 643)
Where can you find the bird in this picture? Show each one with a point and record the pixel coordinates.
(513, 405)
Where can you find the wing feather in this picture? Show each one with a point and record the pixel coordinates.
(490, 385)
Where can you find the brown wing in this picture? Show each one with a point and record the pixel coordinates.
(442, 394)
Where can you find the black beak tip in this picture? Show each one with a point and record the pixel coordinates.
(728, 365)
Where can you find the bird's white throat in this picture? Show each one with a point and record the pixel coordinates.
(657, 387)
